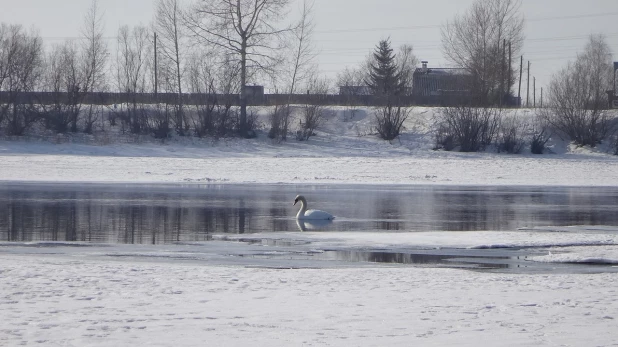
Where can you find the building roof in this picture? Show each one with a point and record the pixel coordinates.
(442, 71)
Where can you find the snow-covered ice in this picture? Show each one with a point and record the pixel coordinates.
(114, 295)
(81, 302)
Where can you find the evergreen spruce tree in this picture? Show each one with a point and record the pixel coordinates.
(384, 75)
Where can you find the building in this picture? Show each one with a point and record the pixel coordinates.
(439, 86)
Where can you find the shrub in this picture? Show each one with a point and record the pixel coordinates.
(510, 138)
(539, 141)
(252, 124)
(312, 116)
(215, 120)
(93, 115)
(444, 139)
(20, 118)
(279, 120)
(160, 122)
(390, 121)
(472, 129)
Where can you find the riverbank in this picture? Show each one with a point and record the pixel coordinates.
(344, 151)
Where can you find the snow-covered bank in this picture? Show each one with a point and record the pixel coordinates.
(76, 302)
(344, 151)
(212, 166)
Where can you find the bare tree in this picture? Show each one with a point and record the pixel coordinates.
(407, 62)
(350, 82)
(312, 115)
(21, 59)
(95, 57)
(303, 58)
(477, 41)
(95, 50)
(171, 36)
(133, 60)
(246, 29)
(350, 77)
(132, 71)
(201, 74)
(577, 100)
(215, 115)
(73, 82)
(55, 116)
(63, 77)
(299, 69)
(76, 70)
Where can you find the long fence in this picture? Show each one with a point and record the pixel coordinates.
(50, 98)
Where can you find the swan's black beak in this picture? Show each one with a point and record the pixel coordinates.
(295, 201)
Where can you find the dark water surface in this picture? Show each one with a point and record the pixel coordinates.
(140, 214)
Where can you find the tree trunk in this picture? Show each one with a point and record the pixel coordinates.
(243, 97)
(181, 115)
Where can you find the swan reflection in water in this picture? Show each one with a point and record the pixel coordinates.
(315, 224)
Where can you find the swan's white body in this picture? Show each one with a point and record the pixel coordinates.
(304, 214)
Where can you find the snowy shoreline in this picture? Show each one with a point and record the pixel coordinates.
(76, 302)
(339, 154)
(487, 170)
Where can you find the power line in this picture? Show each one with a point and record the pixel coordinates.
(416, 27)
(567, 38)
(541, 39)
(337, 31)
(591, 15)
(365, 51)
(432, 44)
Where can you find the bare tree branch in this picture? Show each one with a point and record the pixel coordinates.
(245, 29)
(476, 41)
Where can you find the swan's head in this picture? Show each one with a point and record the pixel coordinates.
(298, 198)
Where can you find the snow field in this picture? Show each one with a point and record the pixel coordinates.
(70, 302)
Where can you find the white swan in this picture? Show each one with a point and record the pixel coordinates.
(304, 214)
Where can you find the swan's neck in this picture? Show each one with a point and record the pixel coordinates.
(303, 208)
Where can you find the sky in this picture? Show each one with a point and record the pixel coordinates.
(347, 31)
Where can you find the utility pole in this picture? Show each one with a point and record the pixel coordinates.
(541, 97)
(528, 87)
(156, 77)
(521, 71)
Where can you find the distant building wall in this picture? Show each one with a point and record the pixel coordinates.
(440, 86)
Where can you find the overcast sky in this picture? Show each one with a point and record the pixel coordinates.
(347, 30)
